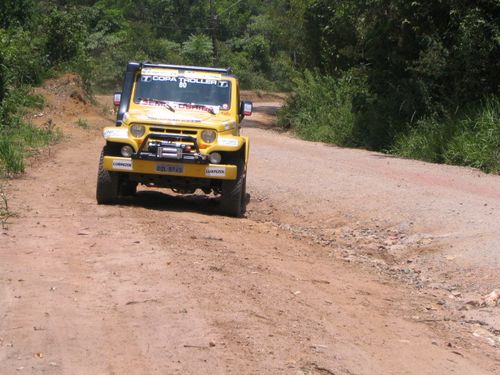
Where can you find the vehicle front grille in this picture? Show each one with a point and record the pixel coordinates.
(173, 131)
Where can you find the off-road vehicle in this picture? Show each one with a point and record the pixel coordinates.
(177, 127)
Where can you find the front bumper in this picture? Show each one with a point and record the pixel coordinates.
(170, 168)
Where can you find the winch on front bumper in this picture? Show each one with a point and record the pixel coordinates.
(170, 147)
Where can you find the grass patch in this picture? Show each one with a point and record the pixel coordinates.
(425, 141)
(21, 140)
(11, 158)
(470, 140)
(82, 123)
(18, 139)
(477, 144)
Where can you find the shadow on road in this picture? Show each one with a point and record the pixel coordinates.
(256, 124)
(268, 108)
(161, 201)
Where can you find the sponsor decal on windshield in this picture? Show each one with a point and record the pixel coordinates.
(183, 81)
(176, 73)
(159, 72)
(199, 107)
(189, 73)
(213, 109)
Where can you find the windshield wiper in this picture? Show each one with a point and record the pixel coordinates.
(158, 101)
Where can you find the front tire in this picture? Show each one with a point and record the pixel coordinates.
(107, 184)
(233, 201)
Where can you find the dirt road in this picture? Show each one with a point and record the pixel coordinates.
(348, 262)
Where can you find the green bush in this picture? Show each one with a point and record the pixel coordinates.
(478, 142)
(19, 141)
(471, 140)
(86, 67)
(321, 108)
(23, 57)
(198, 50)
(15, 12)
(426, 141)
(66, 34)
(282, 72)
(14, 103)
(11, 158)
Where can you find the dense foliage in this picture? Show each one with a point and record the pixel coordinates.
(416, 78)
(424, 78)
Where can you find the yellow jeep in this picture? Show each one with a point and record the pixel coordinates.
(177, 127)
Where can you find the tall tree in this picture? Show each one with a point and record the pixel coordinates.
(15, 12)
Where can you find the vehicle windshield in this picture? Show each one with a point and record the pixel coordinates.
(152, 89)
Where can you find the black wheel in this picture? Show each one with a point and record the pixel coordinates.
(107, 184)
(244, 198)
(128, 188)
(233, 201)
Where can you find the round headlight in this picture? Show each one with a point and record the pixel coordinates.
(208, 136)
(137, 130)
(127, 151)
(215, 158)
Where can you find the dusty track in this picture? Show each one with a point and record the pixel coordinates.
(348, 262)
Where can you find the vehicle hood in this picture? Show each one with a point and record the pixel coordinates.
(163, 116)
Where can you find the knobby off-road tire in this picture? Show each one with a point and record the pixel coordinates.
(107, 184)
(233, 202)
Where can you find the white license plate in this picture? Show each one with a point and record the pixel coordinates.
(170, 168)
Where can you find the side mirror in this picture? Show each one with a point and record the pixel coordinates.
(246, 109)
(117, 97)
